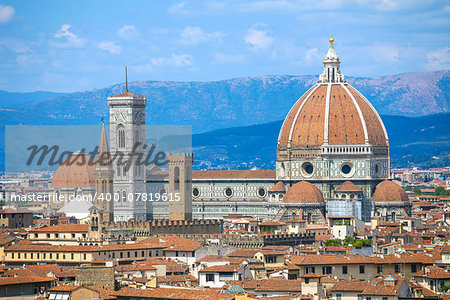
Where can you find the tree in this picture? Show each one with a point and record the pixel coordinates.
(441, 191)
(358, 244)
(445, 288)
(416, 190)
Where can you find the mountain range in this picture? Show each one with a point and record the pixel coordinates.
(228, 103)
(223, 104)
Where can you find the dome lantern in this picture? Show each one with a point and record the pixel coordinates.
(331, 66)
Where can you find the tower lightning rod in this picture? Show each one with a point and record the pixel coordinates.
(126, 78)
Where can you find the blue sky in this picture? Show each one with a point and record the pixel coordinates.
(80, 45)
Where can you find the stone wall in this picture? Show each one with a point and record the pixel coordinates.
(150, 228)
(95, 275)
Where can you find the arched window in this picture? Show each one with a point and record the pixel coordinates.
(176, 176)
(136, 136)
(104, 186)
(124, 196)
(120, 136)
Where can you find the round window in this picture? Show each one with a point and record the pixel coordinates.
(346, 169)
(261, 193)
(228, 192)
(308, 168)
(195, 192)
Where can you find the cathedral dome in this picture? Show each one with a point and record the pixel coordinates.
(74, 172)
(332, 112)
(303, 192)
(389, 191)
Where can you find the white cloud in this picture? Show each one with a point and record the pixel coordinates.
(228, 58)
(110, 47)
(384, 53)
(175, 61)
(128, 32)
(15, 45)
(6, 13)
(29, 59)
(72, 39)
(258, 38)
(439, 59)
(387, 5)
(182, 60)
(177, 8)
(311, 55)
(195, 35)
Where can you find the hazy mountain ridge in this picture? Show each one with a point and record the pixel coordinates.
(232, 103)
(10, 100)
(235, 102)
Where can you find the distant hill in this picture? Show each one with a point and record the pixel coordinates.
(14, 100)
(234, 102)
(421, 141)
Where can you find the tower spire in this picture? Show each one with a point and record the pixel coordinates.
(331, 66)
(104, 156)
(126, 79)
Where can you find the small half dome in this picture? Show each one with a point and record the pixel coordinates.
(278, 187)
(389, 191)
(303, 192)
(348, 186)
(75, 172)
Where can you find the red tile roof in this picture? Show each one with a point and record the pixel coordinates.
(15, 211)
(43, 270)
(64, 288)
(70, 228)
(24, 279)
(125, 94)
(433, 272)
(221, 268)
(234, 174)
(174, 293)
(269, 285)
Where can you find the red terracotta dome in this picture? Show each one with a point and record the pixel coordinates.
(349, 120)
(388, 191)
(303, 192)
(75, 172)
(332, 112)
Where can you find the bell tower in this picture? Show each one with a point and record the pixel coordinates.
(180, 186)
(127, 132)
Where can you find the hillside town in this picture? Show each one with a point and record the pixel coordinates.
(48, 255)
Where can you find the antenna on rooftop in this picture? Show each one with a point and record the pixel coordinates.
(126, 79)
